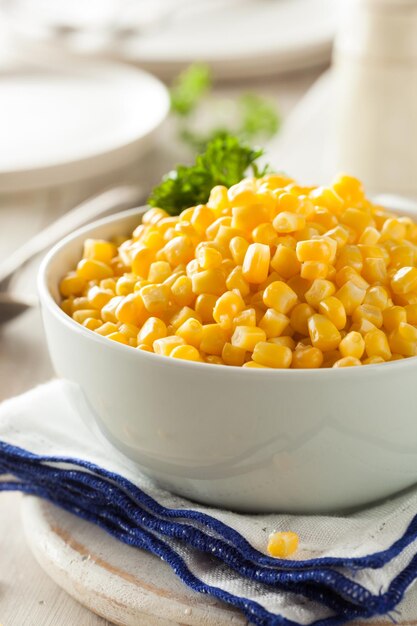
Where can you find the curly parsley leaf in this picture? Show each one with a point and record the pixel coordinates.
(189, 88)
(225, 161)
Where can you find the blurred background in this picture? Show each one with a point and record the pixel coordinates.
(99, 94)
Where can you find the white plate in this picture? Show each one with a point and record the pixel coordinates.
(238, 38)
(61, 125)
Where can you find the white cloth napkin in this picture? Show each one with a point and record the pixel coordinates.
(347, 566)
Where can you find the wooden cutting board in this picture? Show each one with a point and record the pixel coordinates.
(127, 586)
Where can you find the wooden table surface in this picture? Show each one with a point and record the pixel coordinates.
(27, 596)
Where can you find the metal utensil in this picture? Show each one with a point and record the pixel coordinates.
(115, 199)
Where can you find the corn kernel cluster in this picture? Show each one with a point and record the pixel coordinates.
(267, 274)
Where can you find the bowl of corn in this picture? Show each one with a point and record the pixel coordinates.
(257, 352)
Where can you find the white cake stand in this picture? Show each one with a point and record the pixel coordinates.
(128, 586)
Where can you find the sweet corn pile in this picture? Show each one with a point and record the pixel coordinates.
(267, 274)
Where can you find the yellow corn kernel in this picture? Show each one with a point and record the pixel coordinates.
(178, 250)
(299, 317)
(245, 318)
(347, 361)
(376, 344)
(213, 229)
(370, 236)
(108, 312)
(182, 291)
(159, 271)
(402, 256)
(400, 345)
(285, 261)
(90, 269)
(209, 258)
(119, 337)
(154, 215)
(98, 297)
(186, 353)
(312, 270)
(363, 326)
(153, 329)
(152, 238)
(283, 341)
(66, 305)
(246, 218)
(107, 328)
(246, 337)
(349, 273)
(356, 219)
(272, 355)
(99, 250)
(129, 310)
(348, 188)
(202, 218)
(373, 360)
(299, 286)
(350, 255)
(232, 355)
(213, 339)
(227, 307)
(204, 306)
(155, 298)
(264, 233)
(92, 323)
(83, 314)
(238, 247)
(224, 236)
(369, 312)
(126, 284)
(327, 197)
(179, 317)
(323, 333)
(108, 283)
(273, 323)
(218, 200)
(411, 312)
(307, 357)
(130, 330)
(235, 280)
(351, 296)
(213, 359)
(377, 296)
(319, 290)
(322, 250)
(166, 345)
(256, 263)
(144, 347)
(191, 330)
(142, 257)
(374, 270)
(72, 285)
(209, 282)
(393, 229)
(404, 280)
(279, 296)
(286, 222)
(253, 365)
(341, 234)
(282, 544)
(81, 303)
(407, 332)
(393, 317)
(352, 344)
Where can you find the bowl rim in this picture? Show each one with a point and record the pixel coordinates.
(47, 300)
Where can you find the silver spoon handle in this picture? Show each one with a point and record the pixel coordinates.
(113, 199)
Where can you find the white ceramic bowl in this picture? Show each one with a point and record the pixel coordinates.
(244, 439)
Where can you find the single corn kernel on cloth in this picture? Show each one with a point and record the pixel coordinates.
(347, 567)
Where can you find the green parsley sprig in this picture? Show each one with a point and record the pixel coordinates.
(225, 161)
